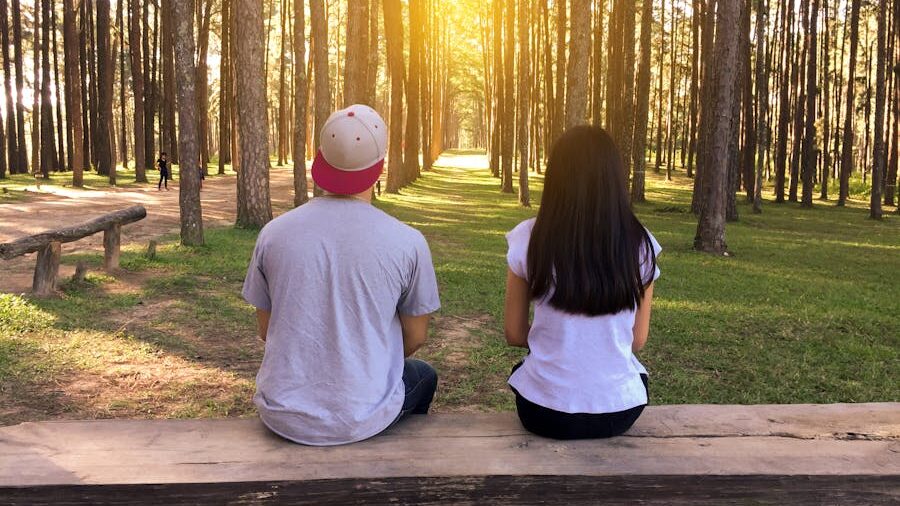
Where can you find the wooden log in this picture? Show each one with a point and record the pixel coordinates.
(803, 454)
(36, 242)
(151, 250)
(112, 238)
(46, 269)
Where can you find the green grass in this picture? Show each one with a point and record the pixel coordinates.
(804, 311)
(15, 185)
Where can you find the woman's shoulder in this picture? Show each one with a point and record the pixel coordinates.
(521, 231)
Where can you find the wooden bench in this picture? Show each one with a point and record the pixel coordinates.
(49, 245)
(701, 454)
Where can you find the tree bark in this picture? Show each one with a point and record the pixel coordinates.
(73, 83)
(809, 144)
(105, 84)
(559, 118)
(576, 77)
(225, 88)
(394, 44)
(355, 77)
(879, 150)
(522, 122)
(168, 131)
(137, 89)
(847, 143)
(710, 235)
(254, 207)
(61, 137)
(21, 166)
(120, 35)
(12, 139)
(643, 104)
(762, 100)
(320, 65)
(301, 191)
(497, 126)
(188, 135)
(202, 87)
(509, 97)
(413, 138)
(49, 162)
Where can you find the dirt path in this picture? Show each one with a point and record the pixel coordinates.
(60, 207)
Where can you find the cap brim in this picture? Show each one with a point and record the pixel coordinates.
(344, 182)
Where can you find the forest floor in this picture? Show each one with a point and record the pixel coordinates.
(806, 309)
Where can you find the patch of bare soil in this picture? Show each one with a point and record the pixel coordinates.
(452, 342)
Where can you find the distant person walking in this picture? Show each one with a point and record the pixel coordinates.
(162, 165)
(343, 295)
(588, 266)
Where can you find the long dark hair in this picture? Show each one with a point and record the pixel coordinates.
(587, 244)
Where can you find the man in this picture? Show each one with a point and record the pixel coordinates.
(343, 293)
(163, 167)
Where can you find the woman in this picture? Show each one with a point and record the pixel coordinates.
(588, 265)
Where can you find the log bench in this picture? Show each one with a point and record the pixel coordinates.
(49, 245)
(688, 454)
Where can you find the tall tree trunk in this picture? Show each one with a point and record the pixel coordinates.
(225, 88)
(695, 86)
(105, 84)
(281, 127)
(847, 143)
(355, 77)
(393, 27)
(711, 225)
(879, 150)
(320, 65)
(188, 135)
(373, 53)
(643, 104)
(509, 97)
(21, 166)
(137, 90)
(254, 207)
(413, 94)
(809, 144)
(168, 129)
(659, 87)
(784, 108)
(748, 127)
(73, 83)
(597, 64)
(36, 95)
(799, 83)
(301, 192)
(202, 87)
(150, 82)
(12, 139)
(762, 100)
(499, 88)
(60, 135)
(49, 161)
(522, 122)
(559, 119)
(576, 77)
(123, 138)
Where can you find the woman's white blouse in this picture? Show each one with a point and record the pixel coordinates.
(577, 363)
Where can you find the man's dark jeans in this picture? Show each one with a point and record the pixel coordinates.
(420, 380)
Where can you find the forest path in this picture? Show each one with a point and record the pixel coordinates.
(60, 207)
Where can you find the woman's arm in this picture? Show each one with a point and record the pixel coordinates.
(642, 321)
(516, 313)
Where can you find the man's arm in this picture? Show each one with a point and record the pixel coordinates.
(415, 330)
(262, 323)
(641, 327)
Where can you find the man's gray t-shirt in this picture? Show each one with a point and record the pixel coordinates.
(336, 274)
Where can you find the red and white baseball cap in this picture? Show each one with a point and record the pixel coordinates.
(352, 148)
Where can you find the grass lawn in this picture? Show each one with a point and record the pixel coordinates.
(16, 186)
(804, 311)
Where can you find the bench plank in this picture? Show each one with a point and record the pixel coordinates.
(668, 440)
(32, 243)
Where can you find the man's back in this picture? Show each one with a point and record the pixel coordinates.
(334, 273)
